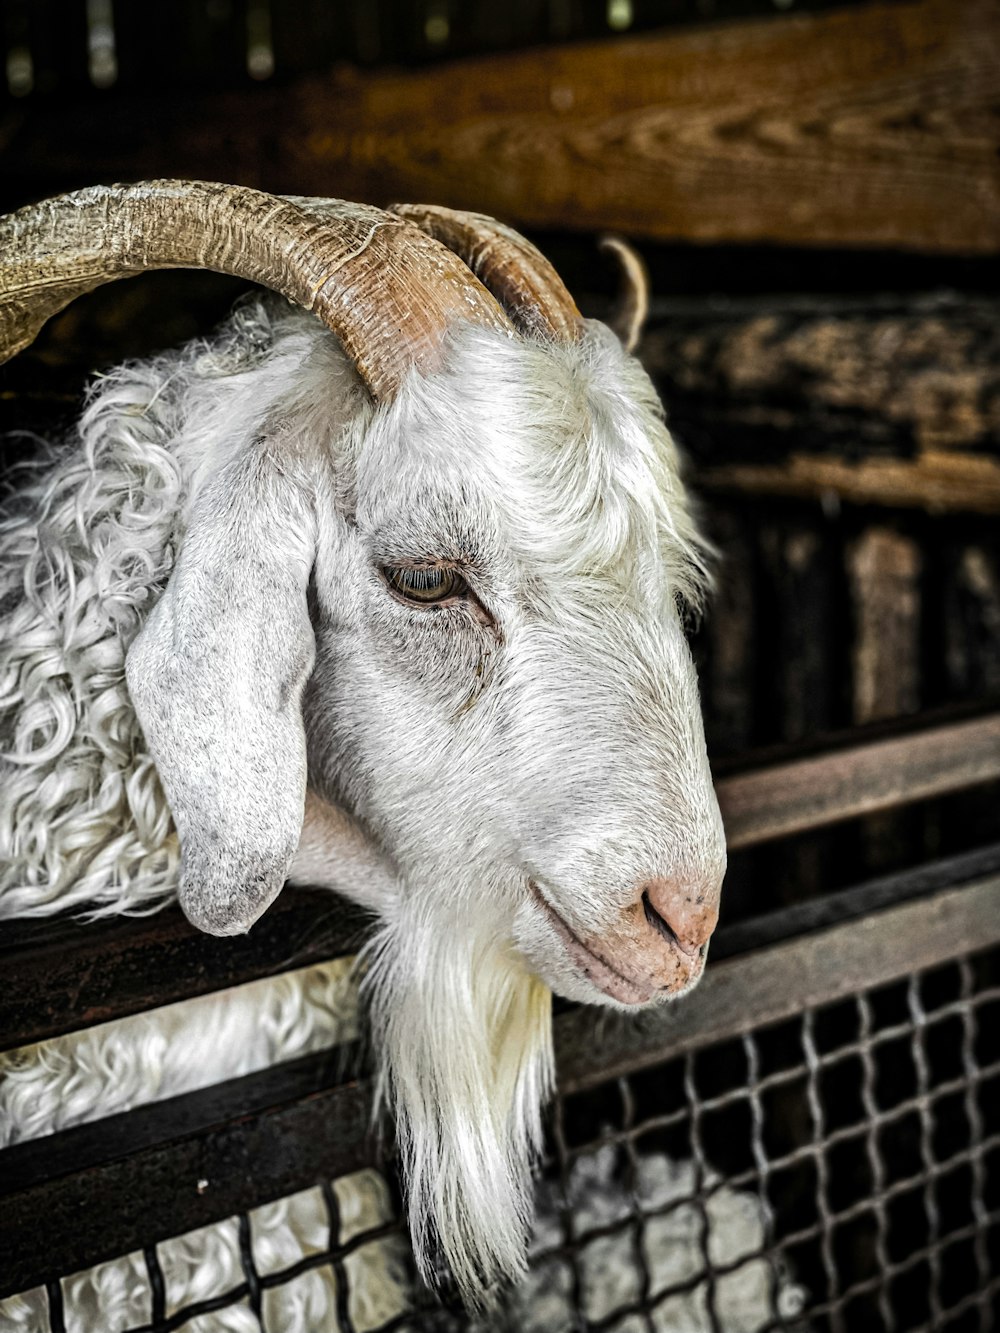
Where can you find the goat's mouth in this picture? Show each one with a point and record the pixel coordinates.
(647, 979)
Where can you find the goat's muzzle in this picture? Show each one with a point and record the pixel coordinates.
(657, 946)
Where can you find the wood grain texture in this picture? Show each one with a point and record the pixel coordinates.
(934, 481)
(892, 403)
(868, 127)
(62, 974)
(767, 985)
(810, 793)
(871, 127)
(884, 570)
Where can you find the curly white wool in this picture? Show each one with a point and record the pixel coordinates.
(611, 1276)
(114, 1067)
(205, 1264)
(87, 544)
(81, 814)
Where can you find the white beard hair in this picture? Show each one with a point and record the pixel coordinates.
(464, 1038)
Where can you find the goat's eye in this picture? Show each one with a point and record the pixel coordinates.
(424, 585)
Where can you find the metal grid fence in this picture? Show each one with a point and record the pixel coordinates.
(837, 1171)
(867, 1131)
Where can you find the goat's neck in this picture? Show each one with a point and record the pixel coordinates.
(334, 852)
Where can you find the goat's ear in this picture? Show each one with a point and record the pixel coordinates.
(216, 677)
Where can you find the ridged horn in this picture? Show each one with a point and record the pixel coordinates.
(632, 306)
(387, 290)
(514, 270)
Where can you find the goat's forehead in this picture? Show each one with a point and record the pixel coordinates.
(534, 445)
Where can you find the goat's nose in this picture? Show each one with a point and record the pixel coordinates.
(685, 912)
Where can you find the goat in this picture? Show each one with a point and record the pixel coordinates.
(390, 601)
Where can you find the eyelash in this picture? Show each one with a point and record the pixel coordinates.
(428, 585)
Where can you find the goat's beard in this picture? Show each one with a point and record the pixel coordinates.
(464, 1039)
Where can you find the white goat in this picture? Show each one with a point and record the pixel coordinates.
(398, 612)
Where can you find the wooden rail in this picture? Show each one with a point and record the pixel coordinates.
(868, 126)
(875, 400)
(61, 975)
(810, 793)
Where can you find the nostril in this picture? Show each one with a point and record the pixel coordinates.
(666, 929)
(681, 913)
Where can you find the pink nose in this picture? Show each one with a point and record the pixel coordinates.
(686, 913)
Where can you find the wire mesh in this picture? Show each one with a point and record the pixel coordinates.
(836, 1171)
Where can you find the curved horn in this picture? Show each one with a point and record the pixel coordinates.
(632, 307)
(388, 291)
(514, 270)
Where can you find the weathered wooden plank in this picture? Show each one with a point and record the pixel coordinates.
(869, 401)
(936, 481)
(62, 975)
(871, 126)
(890, 375)
(163, 1169)
(766, 985)
(809, 793)
(884, 570)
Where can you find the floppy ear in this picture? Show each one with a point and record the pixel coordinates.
(216, 677)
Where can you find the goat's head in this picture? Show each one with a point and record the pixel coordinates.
(461, 621)
(503, 691)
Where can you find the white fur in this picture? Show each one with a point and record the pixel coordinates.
(670, 1250)
(449, 762)
(206, 1263)
(133, 1061)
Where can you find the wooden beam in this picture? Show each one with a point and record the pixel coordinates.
(871, 401)
(161, 1169)
(62, 975)
(934, 481)
(884, 570)
(871, 126)
(811, 793)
